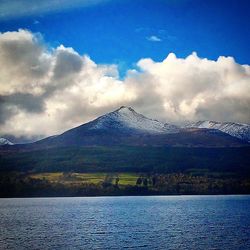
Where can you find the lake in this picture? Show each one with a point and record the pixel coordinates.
(153, 222)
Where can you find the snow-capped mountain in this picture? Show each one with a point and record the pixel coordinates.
(125, 126)
(239, 130)
(125, 118)
(4, 141)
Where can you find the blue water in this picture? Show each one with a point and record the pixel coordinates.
(160, 222)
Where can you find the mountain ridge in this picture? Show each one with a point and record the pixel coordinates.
(238, 130)
(124, 126)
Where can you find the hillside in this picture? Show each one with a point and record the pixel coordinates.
(128, 159)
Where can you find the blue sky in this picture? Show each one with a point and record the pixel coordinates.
(124, 31)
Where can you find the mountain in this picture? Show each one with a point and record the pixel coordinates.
(22, 139)
(125, 126)
(125, 119)
(4, 141)
(124, 140)
(239, 130)
(122, 126)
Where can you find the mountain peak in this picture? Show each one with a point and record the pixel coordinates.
(127, 119)
(125, 109)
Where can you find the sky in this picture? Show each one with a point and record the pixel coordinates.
(65, 62)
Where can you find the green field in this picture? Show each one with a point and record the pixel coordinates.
(94, 178)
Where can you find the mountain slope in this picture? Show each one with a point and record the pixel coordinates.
(241, 131)
(128, 159)
(4, 141)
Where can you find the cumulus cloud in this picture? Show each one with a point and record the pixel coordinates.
(154, 39)
(195, 88)
(45, 91)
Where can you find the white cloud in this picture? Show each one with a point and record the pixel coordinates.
(154, 39)
(19, 8)
(46, 91)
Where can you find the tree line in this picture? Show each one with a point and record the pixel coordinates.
(23, 185)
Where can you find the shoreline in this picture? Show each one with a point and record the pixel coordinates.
(122, 196)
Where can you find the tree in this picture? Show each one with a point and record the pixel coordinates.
(153, 180)
(139, 181)
(107, 181)
(117, 179)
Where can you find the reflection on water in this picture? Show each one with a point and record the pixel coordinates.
(162, 222)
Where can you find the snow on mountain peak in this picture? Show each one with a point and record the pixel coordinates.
(127, 118)
(4, 141)
(239, 130)
(125, 108)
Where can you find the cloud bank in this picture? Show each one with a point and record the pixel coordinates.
(44, 91)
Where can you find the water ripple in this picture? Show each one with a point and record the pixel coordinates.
(181, 222)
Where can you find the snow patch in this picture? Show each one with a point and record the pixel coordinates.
(239, 130)
(4, 141)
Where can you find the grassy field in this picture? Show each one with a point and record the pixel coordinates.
(95, 178)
